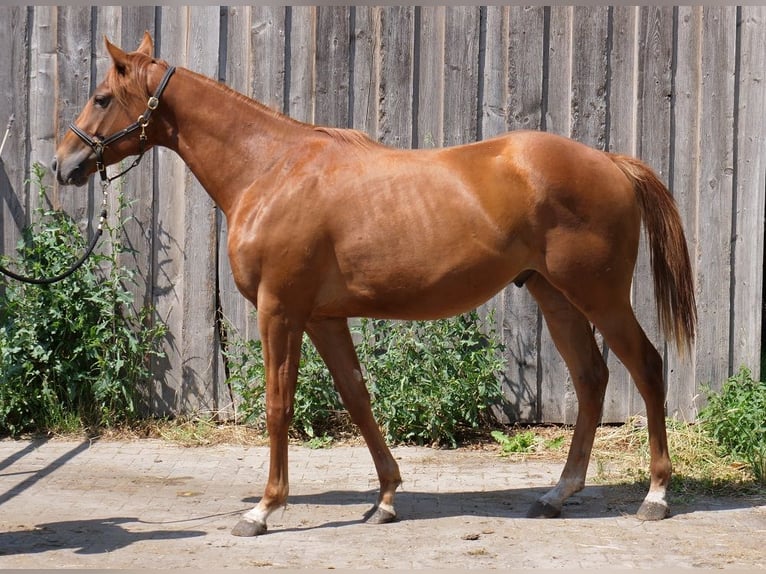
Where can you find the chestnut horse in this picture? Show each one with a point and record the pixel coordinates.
(325, 224)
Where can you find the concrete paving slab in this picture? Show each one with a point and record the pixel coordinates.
(141, 504)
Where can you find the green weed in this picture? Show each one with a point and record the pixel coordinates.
(428, 380)
(73, 353)
(736, 418)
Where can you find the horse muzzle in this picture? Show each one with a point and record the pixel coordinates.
(74, 169)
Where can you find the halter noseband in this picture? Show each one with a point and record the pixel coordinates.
(98, 145)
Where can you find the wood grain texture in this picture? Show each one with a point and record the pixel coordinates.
(682, 88)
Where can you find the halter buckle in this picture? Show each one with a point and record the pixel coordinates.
(153, 103)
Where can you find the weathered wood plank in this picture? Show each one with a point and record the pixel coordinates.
(74, 86)
(201, 344)
(461, 74)
(14, 101)
(395, 87)
(686, 160)
(589, 75)
(43, 123)
(382, 68)
(302, 43)
(333, 66)
(750, 188)
(364, 74)
(267, 59)
(430, 113)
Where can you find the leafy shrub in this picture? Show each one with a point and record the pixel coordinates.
(71, 354)
(736, 419)
(317, 408)
(428, 380)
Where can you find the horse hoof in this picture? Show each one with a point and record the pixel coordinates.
(543, 509)
(652, 511)
(248, 528)
(377, 515)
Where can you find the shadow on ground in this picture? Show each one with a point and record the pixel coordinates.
(96, 536)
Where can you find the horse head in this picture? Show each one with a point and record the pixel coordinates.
(114, 123)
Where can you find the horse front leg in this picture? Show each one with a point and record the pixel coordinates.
(281, 339)
(333, 341)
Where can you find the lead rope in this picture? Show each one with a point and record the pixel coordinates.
(91, 246)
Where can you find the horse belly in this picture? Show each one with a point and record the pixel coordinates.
(423, 283)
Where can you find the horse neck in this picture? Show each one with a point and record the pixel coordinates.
(225, 138)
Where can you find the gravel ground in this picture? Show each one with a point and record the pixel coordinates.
(140, 504)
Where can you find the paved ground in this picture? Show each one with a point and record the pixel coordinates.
(149, 504)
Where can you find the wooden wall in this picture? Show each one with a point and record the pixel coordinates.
(680, 87)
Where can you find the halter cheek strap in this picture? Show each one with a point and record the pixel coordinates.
(98, 145)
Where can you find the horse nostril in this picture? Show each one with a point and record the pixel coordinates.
(54, 164)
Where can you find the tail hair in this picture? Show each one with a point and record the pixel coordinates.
(668, 253)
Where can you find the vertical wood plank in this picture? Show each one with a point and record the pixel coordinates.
(461, 74)
(302, 43)
(200, 348)
(750, 188)
(395, 88)
(365, 70)
(14, 100)
(332, 66)
(513, 100)
(686, 162)
(267, 60)
(589, 75)
(430, 114)
(73, 83)
(43, 124)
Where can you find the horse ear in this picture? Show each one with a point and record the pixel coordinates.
(119, 57)
(147, 45)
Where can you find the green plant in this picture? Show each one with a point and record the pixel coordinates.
(526, 442)
(73, 353)
(317, 408)
(736, 418)
(427, 380)
(431, 380)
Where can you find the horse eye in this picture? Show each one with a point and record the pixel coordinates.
(101, 100)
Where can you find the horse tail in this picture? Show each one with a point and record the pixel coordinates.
(668, 253)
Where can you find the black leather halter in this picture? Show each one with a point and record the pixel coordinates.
(99, 145)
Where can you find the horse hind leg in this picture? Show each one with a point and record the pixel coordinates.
(573, 336)
(627, 340)
(608, 308)
(332, 339)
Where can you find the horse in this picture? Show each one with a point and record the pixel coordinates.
(326, 224)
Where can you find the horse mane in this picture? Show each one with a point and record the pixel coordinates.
(125, 85)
